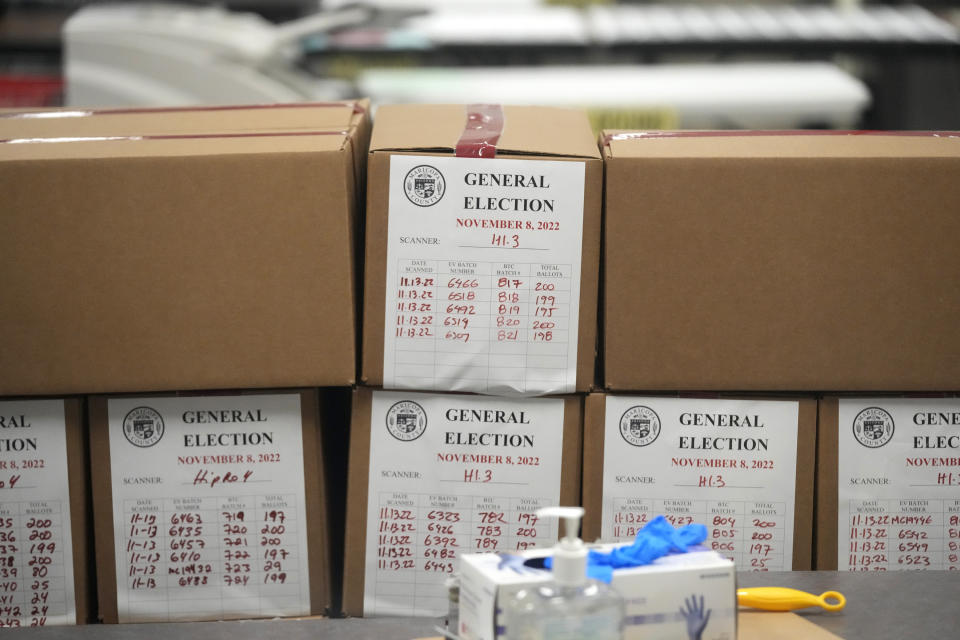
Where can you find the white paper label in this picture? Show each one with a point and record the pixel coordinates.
(898, 484)
(36, 541)
(483, 281)
(208, 507)
(727, 464)
(453, 474)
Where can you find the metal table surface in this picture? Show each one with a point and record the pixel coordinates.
(879, 605)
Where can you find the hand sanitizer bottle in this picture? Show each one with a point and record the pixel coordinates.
(570, 606)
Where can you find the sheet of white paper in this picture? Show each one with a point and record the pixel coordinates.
(36, 541)
(208, 507)
(483, 281)
(898, 484)
(453, 474)
(727, 464)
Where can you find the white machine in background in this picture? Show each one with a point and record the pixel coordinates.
(793, 23)
(667, 23)
(141, 54)
(698, 96)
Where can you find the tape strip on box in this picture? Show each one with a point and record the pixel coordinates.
(84, 113)
(482, 131)
(184, 136)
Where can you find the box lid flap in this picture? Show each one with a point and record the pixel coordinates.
(789, 144)
(90, 148)
(546, 131)
(202, 130)
(206, 119)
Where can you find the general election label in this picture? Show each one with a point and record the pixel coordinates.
(483, 275)
(449, 475)
(36, 540)
(727, 464)
(898, 480)
(209, 509)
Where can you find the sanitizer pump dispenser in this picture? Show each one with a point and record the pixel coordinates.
(571, 605)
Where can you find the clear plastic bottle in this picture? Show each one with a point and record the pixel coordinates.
(571, 606)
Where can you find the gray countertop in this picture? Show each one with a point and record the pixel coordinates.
(901, 605)
(897, 604)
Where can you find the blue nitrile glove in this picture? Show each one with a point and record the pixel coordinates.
(657, 539)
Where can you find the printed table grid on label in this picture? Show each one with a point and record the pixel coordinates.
(196, 555)
(32, 570)
(421, 536)
(751, 533)
(902, 534)
(484, 324)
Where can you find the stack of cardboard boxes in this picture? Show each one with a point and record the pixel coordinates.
(481, 276)
(763, 340)
(175, 250)
(802, 263)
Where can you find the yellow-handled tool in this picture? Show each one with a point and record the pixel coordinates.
(783, 599)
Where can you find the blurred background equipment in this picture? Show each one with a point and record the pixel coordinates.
(129, 54)
(669, 64)
(785, 95)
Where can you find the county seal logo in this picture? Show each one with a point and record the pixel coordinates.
(406, 420)
(424, 185)
(639, 425)
(873, 427)
(143, 427)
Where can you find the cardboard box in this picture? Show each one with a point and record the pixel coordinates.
(216, 494)
(182, 248)
(656, 596)
(760, 625)
(888, 469)
(720, 461)
(46, 534)
(470, 238)
(790, 261)
(434, 496)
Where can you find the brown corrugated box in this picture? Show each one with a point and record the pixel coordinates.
(828, 459)
(593, 448)
(319, 561)
(737, 261)
(81, 511)
(171, 249)
(529, 133)
(358, 482)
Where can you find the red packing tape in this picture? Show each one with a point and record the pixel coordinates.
(482, 131)
(174, 136)
(734, 133)
(82, 113)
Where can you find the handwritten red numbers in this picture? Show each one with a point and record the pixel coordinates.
(903, 534)
(31, 560)
(421, 536)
